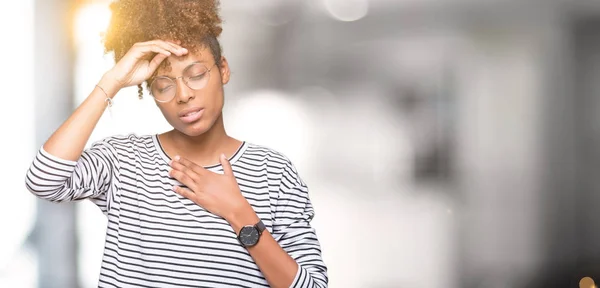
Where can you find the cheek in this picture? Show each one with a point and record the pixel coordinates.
(169, 113)
(215, 99)
(211, 98)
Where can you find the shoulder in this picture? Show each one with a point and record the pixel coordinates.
(267, 155)
(275, 161)
(125, 141)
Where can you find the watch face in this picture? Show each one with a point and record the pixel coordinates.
(249, 236)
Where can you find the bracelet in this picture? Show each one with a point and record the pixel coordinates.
(108, 100)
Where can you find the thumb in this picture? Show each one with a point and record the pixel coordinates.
(155, 62)
(226, 165)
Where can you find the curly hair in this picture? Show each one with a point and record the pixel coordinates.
(196, 23)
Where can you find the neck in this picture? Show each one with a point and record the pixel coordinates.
(203, 149)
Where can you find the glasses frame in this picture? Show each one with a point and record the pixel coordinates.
(209, 70)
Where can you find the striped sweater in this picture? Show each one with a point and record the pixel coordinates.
(157, 238)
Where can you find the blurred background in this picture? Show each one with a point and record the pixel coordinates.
(446, 143)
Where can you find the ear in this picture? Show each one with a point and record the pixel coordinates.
(225, 72)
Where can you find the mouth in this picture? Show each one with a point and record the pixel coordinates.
(191, 115)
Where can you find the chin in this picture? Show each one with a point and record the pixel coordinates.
(194, 129)
(193, 132)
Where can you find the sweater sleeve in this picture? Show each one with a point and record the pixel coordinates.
(94, 175)
(292, 230)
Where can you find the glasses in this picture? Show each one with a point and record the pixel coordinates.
(195, 76)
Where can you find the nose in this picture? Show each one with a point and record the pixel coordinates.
(184, 93)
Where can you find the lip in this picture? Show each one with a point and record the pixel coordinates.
(189, 110)
(190, 118)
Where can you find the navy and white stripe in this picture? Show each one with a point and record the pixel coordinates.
(157, 238)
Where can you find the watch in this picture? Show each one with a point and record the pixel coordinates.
(250, 234)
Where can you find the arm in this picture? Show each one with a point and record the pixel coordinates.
(291, 256)
(62, 171)
(59, 180)
(69, 140)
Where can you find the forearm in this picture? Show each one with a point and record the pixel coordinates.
(68, 141)
(275, 264)
(55, 179)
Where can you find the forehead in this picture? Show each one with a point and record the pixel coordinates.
(174, 65)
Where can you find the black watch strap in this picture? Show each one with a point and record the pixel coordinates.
(260, 226)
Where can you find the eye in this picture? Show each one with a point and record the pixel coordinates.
(161, 85)
(198, 76)
(161, 90)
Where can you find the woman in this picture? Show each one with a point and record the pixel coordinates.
(192, 207)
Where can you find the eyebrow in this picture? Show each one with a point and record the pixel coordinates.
(155, 74)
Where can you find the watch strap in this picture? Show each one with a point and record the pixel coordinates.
(260, 226)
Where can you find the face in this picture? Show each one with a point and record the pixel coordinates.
(191, 111)
(249, 235)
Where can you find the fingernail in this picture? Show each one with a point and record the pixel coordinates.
(177, 158)
(223, 156)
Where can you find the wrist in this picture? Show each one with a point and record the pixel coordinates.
(109, 85)
(242, 217)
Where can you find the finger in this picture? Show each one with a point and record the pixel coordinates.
(185, 192)
(184, 163)
(184, 177)
(169, 46)
(158, 58)
(226, 165)
(144, 49)
(174, 44)
(177, 45)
